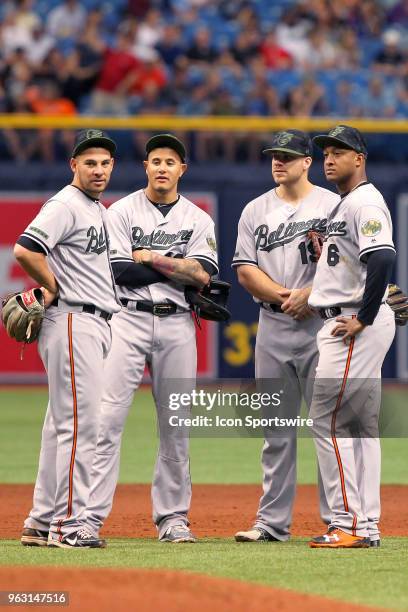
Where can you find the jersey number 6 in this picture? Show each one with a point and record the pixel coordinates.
(333, 256)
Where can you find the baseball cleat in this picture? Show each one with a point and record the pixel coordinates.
(34, 537)
(177, 534)
(375, 543)
(336, 538)
(82, 538)
(257, 534)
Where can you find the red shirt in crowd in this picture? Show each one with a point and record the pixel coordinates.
(116, 67)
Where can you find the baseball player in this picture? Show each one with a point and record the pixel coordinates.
(160, 242)
(276, 263)
(65, 249)
(349, 289)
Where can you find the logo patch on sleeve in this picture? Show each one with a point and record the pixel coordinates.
(372, 227)
(39, 231)
(211, 243)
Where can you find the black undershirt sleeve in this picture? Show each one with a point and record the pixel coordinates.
(208, 267)
(379, 270)
(131, 274)
(31, 245)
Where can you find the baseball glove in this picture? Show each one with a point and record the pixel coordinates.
(316, 242)
(22, 314)
(210, 302)
(398, 302)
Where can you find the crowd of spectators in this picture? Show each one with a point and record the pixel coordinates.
(201, 57)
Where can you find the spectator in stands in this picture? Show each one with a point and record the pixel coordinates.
(197, 103)
(399, 13)
(178, 89)
(306, 100)
(378, 100)
(244, 48)
(264, 101)
(26, 16)
(84, 63)
(171, 46)
(17, 75)
(138, 8)
(118, 74)
(148, 34)
(319, 51)
(14, 35)
(41, 44)
(66, 20)
(150, 72)
(274, 56)
(212, 144)
(53, 68)
(292, 30)
(202, 49)
(372, 18)
(348, 51)
(390, 59)
(46, 99)
(346, 102)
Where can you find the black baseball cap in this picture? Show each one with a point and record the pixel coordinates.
(166, 140)
(294, 142)
(344, 137)
(85, 139)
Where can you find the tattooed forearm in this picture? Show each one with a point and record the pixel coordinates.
(184, 271)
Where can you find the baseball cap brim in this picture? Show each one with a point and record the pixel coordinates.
(323, 141)
(284, 150)
(99, 141)
(166, 141)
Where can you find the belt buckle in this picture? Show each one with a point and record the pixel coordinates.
(332, 311)
(162, 310)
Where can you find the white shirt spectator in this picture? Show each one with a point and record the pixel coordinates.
(67, 20)
(14, 36)
(40, 46)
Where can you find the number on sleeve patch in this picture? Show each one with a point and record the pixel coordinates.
(372, 227)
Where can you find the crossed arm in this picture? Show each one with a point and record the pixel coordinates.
(293, 302)
(179, 270)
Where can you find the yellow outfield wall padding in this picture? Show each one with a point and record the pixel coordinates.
(204, 123)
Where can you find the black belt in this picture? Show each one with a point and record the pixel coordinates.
(163, 309)
(271, 307)
(335, 311)
(89, 309)
(330, 313)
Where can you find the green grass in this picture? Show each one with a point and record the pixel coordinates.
(213, 460)
(369, 576)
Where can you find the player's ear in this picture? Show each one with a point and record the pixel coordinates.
(307, 162)
(73, 164)
(145, 163)
(183, 169)
(360, 159)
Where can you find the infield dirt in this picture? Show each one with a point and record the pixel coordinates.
(217, 510)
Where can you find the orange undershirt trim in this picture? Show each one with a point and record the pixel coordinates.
(75, 415)
(333, 426)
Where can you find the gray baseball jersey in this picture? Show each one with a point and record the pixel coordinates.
(272, 235)
(359, 224)
(135, 223)
(348, 377)
(73, 344)
(70, 227)
(168, 346)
